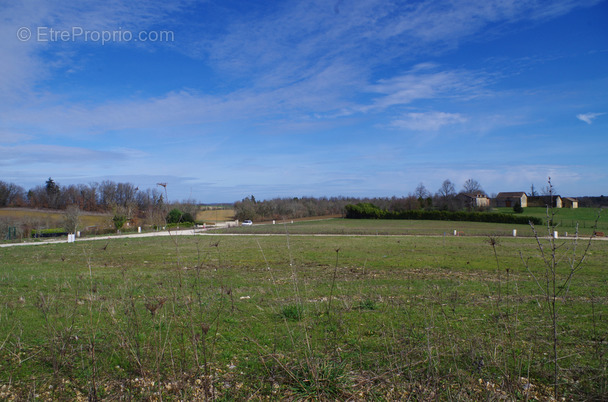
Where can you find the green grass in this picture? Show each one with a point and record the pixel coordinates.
(567, 218)
(340, 226)
(248, 317)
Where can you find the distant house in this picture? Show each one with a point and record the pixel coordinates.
(509, 200)
(569, 202)
(474, 200)
(554, 201)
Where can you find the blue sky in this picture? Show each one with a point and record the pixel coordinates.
(314, 98)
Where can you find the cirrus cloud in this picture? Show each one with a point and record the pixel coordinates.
(588, 117)
(429, 121)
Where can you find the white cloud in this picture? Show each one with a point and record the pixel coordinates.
(57, 154)
(430, 121)
(588, 117)
(24, 63)
(9, 136)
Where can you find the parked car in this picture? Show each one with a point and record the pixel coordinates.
(247, 222)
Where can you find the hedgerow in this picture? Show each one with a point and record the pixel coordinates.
(370, 211)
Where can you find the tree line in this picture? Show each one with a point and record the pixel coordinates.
(446, 198)
(283, 208)
(95, 197)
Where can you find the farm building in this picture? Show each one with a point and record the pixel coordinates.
(569, 202)
(474, 200)
(511, 199)
(554, 201)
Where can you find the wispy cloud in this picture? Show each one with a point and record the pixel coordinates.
(26, 62)
(429, 121)
(286, 92)
(56, 154)
(588, 117)
(417, 85)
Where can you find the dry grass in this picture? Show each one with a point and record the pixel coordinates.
(55, 218)
(215, 215)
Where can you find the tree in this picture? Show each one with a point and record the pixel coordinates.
(533, 192)
(177, 216)
(107, 194)
(472, 186)
(421, 192)
(560, 262)
(445, 196)
(71, 219)
(119, 221)
(446, 190)
(52, 191)
(11, 194)
(549, 190)
(174, 216)
(51, 186)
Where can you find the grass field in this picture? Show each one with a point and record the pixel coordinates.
(567, 218)
(215, 215)
(403, 227)
(53, 219)
(297, 317)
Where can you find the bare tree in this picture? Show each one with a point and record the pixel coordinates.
(421, 192)
(533, 192)
(446, 196)
(548, 190)
(472, 186)
(11, 194)
(71, 218)
(560, 261)
(446, 190)
(107, 194)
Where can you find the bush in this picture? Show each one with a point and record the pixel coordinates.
(119, 221)
(370, 211)
(187, 217)
(517, 208)
(366, 210)
(177, 216)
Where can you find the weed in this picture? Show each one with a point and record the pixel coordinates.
(323, 379)
(367, 304)
(293, 312)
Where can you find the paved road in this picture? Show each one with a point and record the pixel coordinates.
(185, 232)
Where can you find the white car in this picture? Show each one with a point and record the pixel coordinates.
(247, 222)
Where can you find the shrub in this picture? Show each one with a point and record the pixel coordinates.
(517, 208)
(119, 221)
(177, 216)
(370, 211)
(187, 217)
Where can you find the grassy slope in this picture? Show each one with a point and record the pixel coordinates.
(409, 316)
(54, 218)
(215, 215)
(566, 218)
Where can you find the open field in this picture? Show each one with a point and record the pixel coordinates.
(53, 219)
(215, 215)
(567, 218)
(291, 317)
(401, 227)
